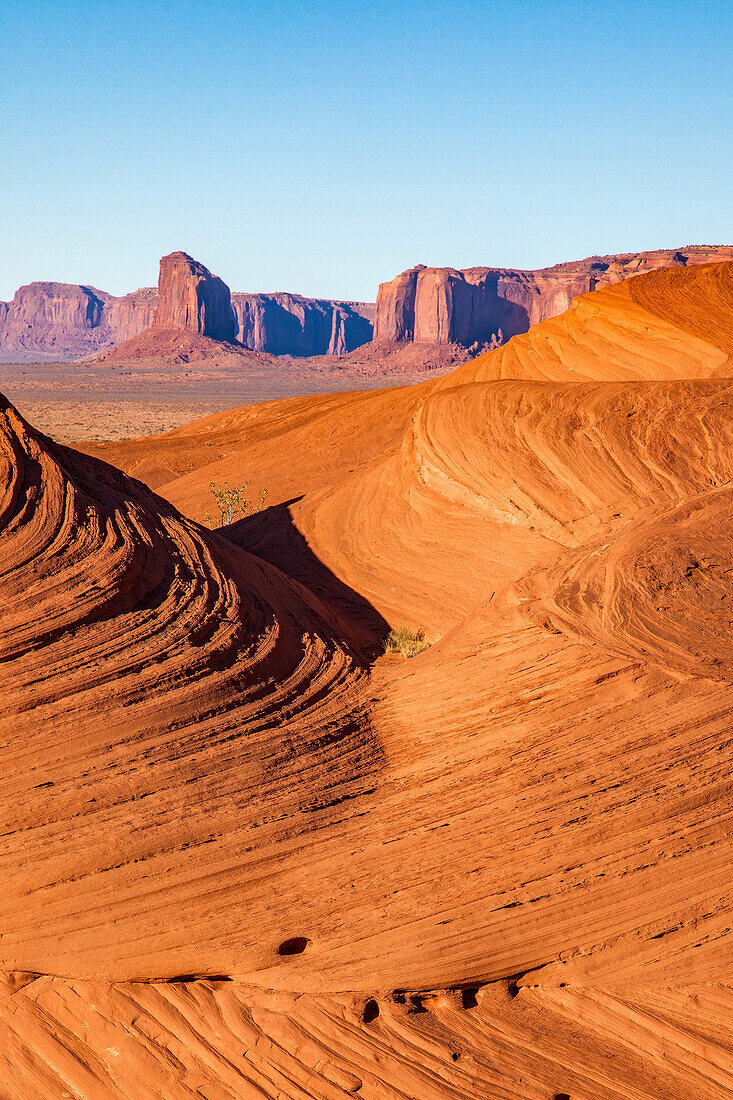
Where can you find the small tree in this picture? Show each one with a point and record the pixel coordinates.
(232, 503)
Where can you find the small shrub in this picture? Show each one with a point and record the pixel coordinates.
(406, 642)
(232, 503)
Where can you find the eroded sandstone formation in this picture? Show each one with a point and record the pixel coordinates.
(192, 299)
(65, 321)
(288, 324)
(130, 315)
(499, 869)
(487, 305)
(425, 305)
(45, 317)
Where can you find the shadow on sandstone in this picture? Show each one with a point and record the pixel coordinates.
(273, 536)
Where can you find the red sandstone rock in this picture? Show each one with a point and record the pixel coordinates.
(44, 317)
(288, 324)
(191, 298)
(432, 305)
(63, 321)
(131, 315)
(436, 306)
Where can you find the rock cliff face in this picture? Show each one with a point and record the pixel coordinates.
(46, 317)
(430, 305)
(192, 299)
(64, 321)
(130, 315)
(288, 324)
(425, 305)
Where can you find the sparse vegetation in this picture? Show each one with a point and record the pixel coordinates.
(406, 642)
(232, 504)
(495, 341)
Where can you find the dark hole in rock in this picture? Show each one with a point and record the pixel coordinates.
(468, 998)
(371, 1011)
(561, 1096)
(416, 1004)
(296, 945)
(398, 997)
(455, 1056)
(184, 979)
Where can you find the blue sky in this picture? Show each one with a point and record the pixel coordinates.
(322, 147)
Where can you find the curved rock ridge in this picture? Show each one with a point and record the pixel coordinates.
(667, 324)
(156, 682)
(485, 305)
(501, 865)
(459, 508)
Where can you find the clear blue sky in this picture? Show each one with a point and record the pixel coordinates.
(322, 147)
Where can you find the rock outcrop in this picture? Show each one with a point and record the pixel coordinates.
(64, 321)
(288, 324)
(202, 766)
(132, 314)
(192, 299)
(479, 306)
(487, 305)
(49, 317)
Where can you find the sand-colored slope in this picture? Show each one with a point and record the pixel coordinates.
(92, 1041)
(698, 302)
(540, 802)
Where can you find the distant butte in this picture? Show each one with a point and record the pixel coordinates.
(487, 305)
(63, 321)
(431, 307)
(192, 299)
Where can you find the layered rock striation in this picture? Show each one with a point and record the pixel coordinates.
(238, 861)
(486, 305)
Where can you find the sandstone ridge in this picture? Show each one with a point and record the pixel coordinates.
(244, 857)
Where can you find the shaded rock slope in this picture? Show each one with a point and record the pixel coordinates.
(238, 863)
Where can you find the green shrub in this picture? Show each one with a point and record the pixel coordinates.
(406, 642)
(232, 503)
